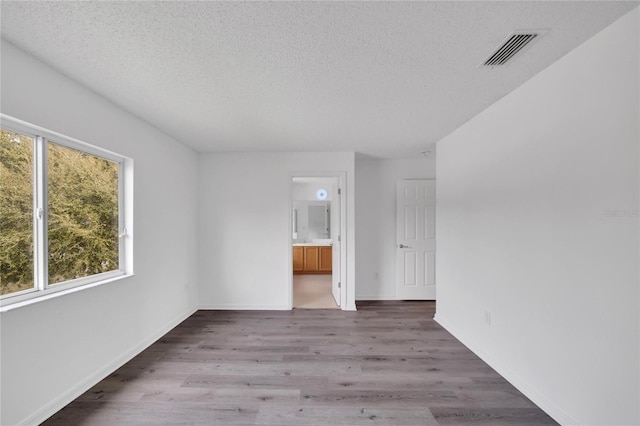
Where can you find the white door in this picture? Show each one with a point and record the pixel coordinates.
(335, 239)
(416, 240)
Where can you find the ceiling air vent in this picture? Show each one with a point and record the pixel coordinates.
(514, 44)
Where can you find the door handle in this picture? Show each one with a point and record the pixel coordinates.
(403, 246)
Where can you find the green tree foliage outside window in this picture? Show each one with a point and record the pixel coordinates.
(82, 213)
(16, 212)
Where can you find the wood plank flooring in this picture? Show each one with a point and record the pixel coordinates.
(387, 364)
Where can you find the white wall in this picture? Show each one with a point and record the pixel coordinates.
(376, 222)
(245, 224)
(54, 350)
(306, 191)
(524, 235)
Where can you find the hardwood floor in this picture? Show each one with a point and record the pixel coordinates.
(387, 364)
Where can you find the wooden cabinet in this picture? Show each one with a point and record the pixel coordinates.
(325, 261)
(312, 259)
(298, 259)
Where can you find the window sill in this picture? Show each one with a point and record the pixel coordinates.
(9, 306)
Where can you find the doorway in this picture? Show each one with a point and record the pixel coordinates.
(316, 217)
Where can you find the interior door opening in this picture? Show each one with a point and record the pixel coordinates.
(315, 239)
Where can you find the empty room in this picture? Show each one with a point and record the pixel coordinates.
(320, 213)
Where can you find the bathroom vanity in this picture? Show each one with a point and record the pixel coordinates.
(309, 258)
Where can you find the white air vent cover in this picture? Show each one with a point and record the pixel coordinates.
(511, 47)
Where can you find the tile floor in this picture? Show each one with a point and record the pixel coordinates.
(313, 292)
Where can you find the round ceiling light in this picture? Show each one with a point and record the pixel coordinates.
(321, 194)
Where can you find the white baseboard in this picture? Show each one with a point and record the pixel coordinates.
(225, 307)
(516, 380)
(57, 404)
(375, 297)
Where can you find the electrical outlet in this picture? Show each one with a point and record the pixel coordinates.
(487, 317)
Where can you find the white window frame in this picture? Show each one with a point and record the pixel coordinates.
(42, 290)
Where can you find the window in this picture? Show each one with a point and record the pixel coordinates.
(62, 213)
(16, 212)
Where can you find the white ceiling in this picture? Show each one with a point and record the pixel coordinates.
(384, 79)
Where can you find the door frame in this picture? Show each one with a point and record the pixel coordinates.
(341, 178)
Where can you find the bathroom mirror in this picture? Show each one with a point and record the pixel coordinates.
(318, 221)
(311, 221)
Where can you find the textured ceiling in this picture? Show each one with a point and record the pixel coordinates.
(383, 79)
